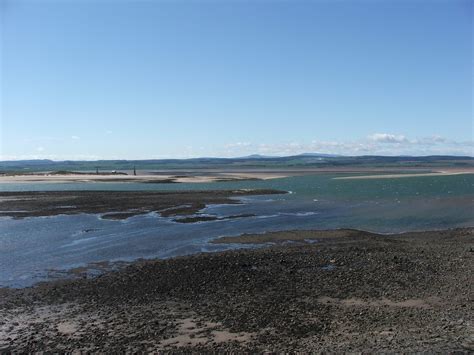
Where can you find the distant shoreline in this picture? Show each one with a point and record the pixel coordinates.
(141, 178)
(396, 176)
(219, 175)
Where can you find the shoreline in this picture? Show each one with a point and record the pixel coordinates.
(246, 241)
(301, 236)
(309, 236)
(352, 292)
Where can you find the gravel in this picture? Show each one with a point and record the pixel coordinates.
(350, 291)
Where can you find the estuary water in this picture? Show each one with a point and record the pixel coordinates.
(38, 248)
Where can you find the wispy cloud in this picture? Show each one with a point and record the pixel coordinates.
(238, 145)
(388, 138)
(50, 157)
(374, 144)
(76, 138)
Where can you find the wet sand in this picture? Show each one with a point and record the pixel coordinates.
(329, 291)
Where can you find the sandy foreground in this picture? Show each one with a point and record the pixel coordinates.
(337, 291)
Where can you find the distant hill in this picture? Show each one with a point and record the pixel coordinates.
(258, 156)
(319, 155)
(256, 161)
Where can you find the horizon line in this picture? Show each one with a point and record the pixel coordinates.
(255, 156)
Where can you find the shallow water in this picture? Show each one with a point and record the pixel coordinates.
(30, 248)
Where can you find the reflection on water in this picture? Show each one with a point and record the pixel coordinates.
(32, 246)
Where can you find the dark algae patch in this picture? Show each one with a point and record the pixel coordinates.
(349, 292)
(116, 204)
(206, 218)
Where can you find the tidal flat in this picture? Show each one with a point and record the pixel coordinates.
(349, 291)
(48, 229)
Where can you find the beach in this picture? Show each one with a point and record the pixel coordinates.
(342, 290)
(142, 177)
(222, 175)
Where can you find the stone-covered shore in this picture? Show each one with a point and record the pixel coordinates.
(348, 291)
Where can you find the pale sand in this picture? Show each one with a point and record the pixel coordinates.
(47, 178)
(391, 176)
(212, 175)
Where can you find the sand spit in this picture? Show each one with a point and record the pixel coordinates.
(349, 292)
(216, 175)
(141, 178)
(393, 176)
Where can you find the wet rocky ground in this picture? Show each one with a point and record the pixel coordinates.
(336, 291)
(117, 204)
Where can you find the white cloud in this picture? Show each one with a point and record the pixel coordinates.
(375, 144)
(387, 138)
(238, 144)
(432, 140)
(437, 138)
(75, 138)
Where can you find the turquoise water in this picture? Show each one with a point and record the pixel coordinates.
(323, 185)
(31, 247)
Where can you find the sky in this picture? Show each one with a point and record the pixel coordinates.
(177, 79)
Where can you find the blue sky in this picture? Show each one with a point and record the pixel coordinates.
(153, 79)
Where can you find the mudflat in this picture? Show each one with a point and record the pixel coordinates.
(116, 204)
(341, 290)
